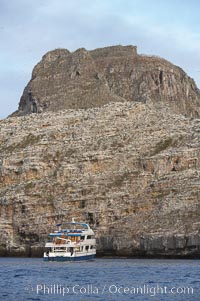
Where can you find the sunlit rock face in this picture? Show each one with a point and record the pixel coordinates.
(85, 79)
(111, 138)
(130, 169)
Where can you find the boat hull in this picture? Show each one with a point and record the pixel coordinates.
(63, 258)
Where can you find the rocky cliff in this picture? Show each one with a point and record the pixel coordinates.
(130, 169)
(116, 144)
(86, 79)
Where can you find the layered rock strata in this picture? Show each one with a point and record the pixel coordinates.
(130, 169)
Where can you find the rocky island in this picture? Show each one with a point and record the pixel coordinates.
(110, 137)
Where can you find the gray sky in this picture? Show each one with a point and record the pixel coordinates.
(28, 29)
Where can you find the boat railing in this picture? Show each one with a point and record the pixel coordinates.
(53, 245)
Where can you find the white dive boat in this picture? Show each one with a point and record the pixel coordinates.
(72, 241)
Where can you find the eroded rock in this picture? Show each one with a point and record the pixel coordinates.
(129, 169)
(86, 79)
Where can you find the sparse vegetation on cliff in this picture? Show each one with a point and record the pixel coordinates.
(114, 145)
(100, 171)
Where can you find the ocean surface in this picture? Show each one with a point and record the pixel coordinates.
(101, 279)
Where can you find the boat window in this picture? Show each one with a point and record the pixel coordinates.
(60, 249)
(82, 237)
(89, 237)
(87, 248)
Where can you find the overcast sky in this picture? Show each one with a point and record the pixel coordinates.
(30, 28)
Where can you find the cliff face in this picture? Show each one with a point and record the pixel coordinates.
(111, 146)
(130, 169)
(86, 79)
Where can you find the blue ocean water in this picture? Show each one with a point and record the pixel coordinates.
(101, 279)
